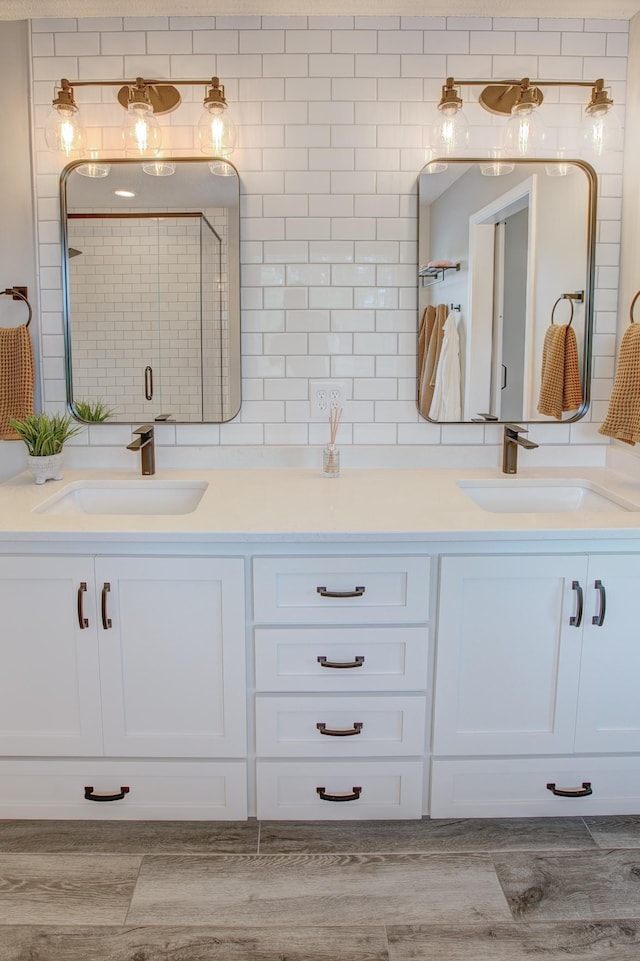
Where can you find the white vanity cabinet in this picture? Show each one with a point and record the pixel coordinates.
(537, 658)
(124, 657)
(340, 708)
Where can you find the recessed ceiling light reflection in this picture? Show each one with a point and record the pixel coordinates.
(124, 193)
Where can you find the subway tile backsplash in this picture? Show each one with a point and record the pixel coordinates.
(331, 114)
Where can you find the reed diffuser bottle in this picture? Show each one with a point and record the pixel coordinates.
(331, 453)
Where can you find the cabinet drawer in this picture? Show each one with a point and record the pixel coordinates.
(518, 787)
(340, 590)
(354, 659)
(176, 790)
(383, 789)
(366, 726)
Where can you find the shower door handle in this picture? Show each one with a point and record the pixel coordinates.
(148, 383)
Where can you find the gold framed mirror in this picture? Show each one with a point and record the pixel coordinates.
(506, 272)
(151, 271)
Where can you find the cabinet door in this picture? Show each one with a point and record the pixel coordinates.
(508, 658)
(172, 656)
(609, 704)
(49, 682)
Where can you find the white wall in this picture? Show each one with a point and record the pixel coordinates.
(17, 247)
(331, 112)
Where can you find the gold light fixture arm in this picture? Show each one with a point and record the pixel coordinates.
(500, 96)
(161, 94)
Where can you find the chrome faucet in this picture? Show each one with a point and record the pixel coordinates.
(146, 445)
(510, 444)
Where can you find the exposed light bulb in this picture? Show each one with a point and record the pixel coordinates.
(159, 168)
(216, 133)
(601, 132)
(525, 132)
(141, 131)
(450, 134)
(94, 169)
(63, 130)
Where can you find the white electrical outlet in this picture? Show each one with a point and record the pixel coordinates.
(325, 394)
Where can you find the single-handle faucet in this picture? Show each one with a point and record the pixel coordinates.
(146, 445)
(510, 444)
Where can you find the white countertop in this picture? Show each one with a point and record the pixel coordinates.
(300, 504)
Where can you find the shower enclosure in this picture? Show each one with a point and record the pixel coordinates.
(149, 315)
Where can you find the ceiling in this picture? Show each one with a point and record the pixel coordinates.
(34, 9)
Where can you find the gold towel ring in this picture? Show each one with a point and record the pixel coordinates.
(564, 297)
(633, 303)
(18, 295)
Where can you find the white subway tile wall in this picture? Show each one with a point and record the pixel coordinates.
(331, 114)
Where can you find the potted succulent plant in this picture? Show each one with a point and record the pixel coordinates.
(44, 436)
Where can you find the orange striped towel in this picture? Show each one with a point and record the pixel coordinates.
(560, 387)
(623, 417)
(16, 378)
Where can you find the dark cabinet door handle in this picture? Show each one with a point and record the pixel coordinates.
(358, 661)
(82, 620)
(106, 621)
(598, 619)
(357, 791)
(584, 791)
(356, 592)
(91, 796)
(576, 619)
(340, 731)
(148, 383)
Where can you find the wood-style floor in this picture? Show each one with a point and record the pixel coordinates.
(494, 890)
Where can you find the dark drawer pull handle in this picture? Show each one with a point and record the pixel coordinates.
(576, 619)
(584, 791)
(82, 620)
(356, 592)
(598, 619)
(340, 731)
(90, 796)
(358, 661)
(106, 621)
(357, 791)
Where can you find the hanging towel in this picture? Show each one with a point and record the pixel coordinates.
(16, 378)
(623, 417)
(424, 333)
(433, 346)
(446, 395)
(560, 387)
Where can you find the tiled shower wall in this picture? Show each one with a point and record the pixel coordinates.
(150, 292)
(331, 114)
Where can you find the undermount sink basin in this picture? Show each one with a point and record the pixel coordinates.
(126, 497)
(542, 496)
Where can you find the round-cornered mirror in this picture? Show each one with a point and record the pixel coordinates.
(151, 285)
(505, 278)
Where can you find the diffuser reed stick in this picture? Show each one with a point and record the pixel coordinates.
(331, 454)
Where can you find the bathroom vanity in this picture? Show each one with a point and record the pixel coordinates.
(375, 647)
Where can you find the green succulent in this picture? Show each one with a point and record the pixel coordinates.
(94, 411)
(43, 434)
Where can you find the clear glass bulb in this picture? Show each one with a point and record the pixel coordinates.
(217, 135)
(525, 132)
(601, 132)
(450, 133)
(63, 131)
(141, 131)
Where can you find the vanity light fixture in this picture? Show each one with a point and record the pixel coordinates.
(143, 100)
(519, 100)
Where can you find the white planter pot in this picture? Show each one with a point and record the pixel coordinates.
(45, 468)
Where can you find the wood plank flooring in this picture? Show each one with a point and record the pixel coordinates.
(466, 890)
